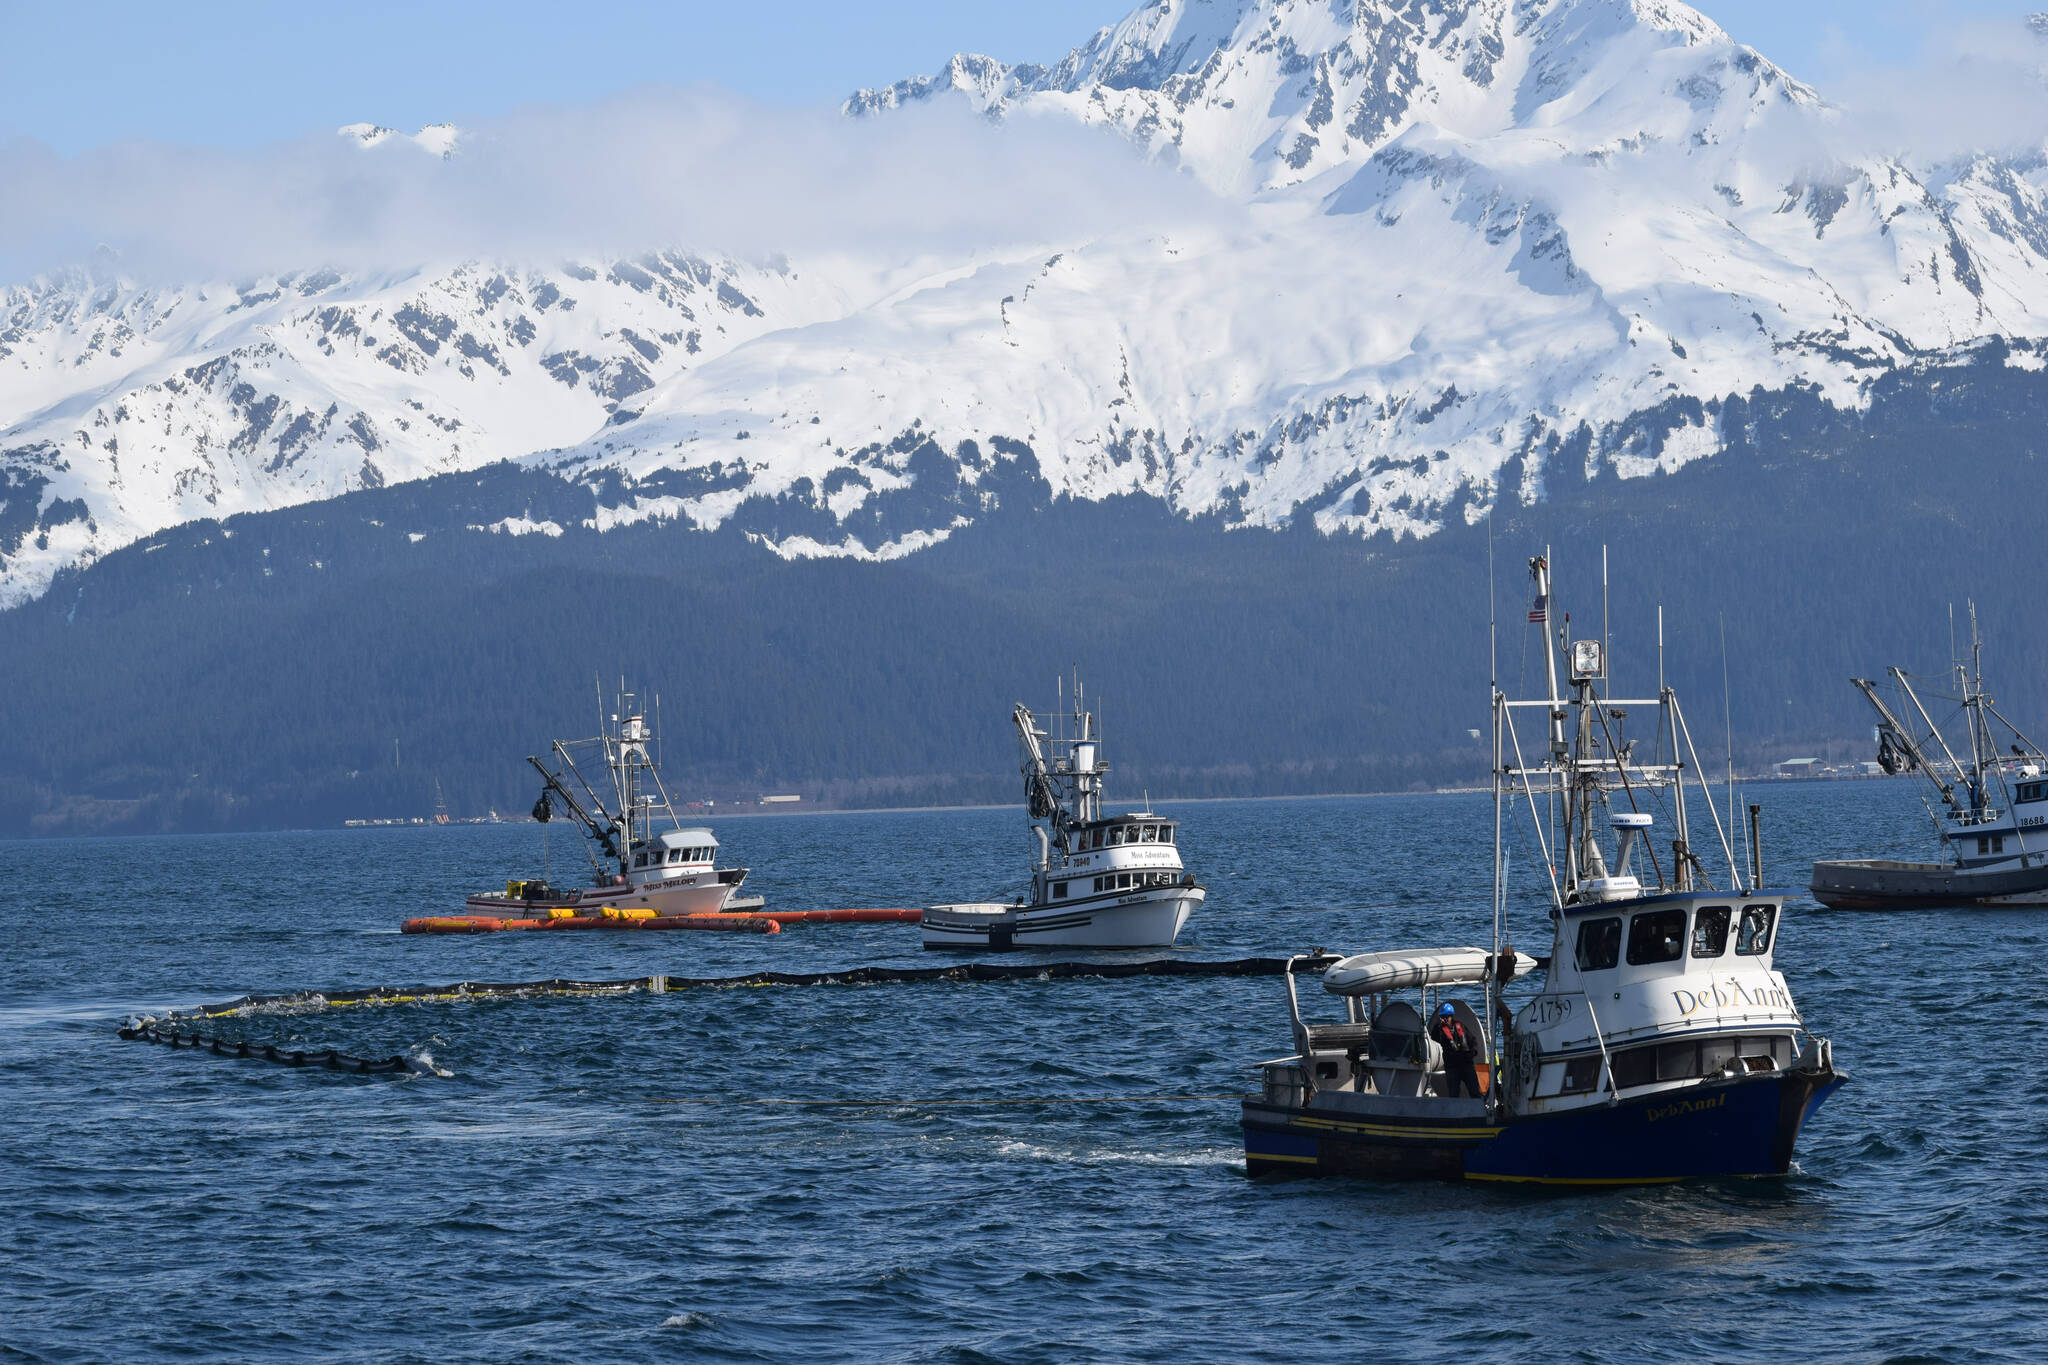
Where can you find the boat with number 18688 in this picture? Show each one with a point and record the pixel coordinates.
(1993, 821)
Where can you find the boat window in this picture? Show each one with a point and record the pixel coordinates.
(1150, 834)
(1755, 934)
(1098, 883)
(1678, 1061)
(1634, 1066)
(1581, 1074)
(1166, 834)
(2032, 791)
(1599, 944)
(1656, 936)
(1116, 835)
(1098, 840)
(1715, 1054)
(1710, 931)
(639, 860)
(1059, 891)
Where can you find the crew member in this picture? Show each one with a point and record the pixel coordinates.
(1460, 1076)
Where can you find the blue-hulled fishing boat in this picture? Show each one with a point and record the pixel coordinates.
(1663, 1042)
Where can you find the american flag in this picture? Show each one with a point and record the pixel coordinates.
(1541, 615)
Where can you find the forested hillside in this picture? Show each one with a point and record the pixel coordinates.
(305, 666)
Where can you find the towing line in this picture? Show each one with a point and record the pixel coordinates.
(162, 1028)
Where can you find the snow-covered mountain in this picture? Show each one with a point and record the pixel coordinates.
(175, 404)
(1457, 246)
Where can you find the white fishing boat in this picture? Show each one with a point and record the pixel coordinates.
(1663, 1042)
(1993, 808)
(1097, 881)
(640, 854)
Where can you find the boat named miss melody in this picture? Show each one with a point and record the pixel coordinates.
(641, 855)
(1097, 881)
(1663, 1043)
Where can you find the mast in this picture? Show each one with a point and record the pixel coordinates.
(624, 744)
(1591, 768)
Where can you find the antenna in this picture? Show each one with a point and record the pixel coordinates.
(1660, 649)
(1606, 668)
(1728, 728)
(1492, 621)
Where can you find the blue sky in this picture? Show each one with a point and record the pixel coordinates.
(238, 74)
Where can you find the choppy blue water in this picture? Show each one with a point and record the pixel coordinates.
(597, 1180)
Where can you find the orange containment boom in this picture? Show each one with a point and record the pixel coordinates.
(486, 924)
(843, 916)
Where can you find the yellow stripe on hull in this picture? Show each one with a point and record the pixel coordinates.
(1387, 1130)
(1578, 1180)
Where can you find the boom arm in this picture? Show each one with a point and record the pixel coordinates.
(1041, 794)
(605, 832)
(1904, 738)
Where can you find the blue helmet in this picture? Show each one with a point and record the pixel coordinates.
(1444, 1011)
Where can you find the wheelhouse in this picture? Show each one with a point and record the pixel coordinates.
(1660, 936)
(675, 853)
(1123, 831)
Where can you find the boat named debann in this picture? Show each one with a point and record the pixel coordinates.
(1097, 881)
(640, 854)
(1663, 1043)
(1993, 820)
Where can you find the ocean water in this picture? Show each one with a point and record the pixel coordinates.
(1035, 1171)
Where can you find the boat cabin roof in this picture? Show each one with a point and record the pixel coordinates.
(693, 837)
(1669, 897)
(1133, 818)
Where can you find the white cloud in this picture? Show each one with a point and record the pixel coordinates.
(658, 167)
(1978, 85)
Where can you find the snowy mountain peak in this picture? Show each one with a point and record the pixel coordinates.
(1263, 94)
(438, 138)
(1458, 248)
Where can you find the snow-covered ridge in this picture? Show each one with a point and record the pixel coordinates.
(439, 138)
(1464, 245)
(126, 408)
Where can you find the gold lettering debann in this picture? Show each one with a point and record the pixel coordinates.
(1684, 1107)
(1720, 996)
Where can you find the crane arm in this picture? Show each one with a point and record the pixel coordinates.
(605, 832)
(1903, 738)
(1041, 794)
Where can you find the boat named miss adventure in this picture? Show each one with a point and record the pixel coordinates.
(1663, 1043)
(641, 855)
(1097, 881)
